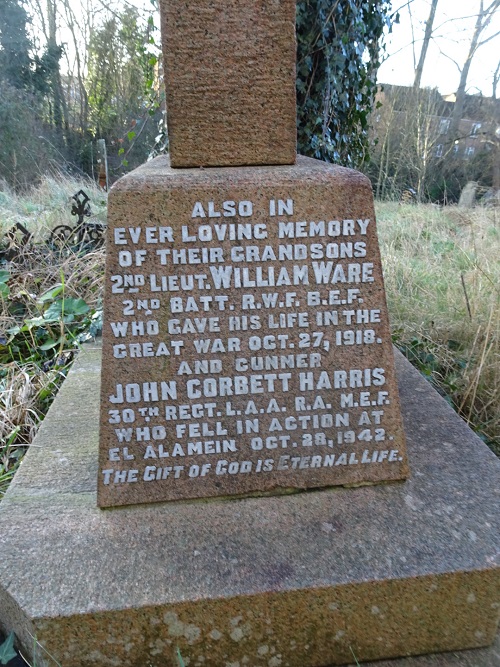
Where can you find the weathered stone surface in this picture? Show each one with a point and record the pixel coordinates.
(230, 81)
(246, 339)
(294, 581)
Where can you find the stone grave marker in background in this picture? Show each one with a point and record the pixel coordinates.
(246, 345)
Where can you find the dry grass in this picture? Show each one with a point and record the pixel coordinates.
(30, 377)
(442, 274)
(48, 205)
(24, 390)
(442, 280)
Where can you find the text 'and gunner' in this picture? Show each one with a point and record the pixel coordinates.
(227, 356)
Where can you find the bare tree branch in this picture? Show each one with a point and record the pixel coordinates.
(412, 37)
(488, 39)
(445, 55)
(483, 20)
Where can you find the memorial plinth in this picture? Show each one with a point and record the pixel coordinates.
(293, 581)
(246, 344)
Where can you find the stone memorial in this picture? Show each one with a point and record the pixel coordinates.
(246, 351)
(246, 345)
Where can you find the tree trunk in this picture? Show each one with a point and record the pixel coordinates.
(425, 45)
(84, 100)
(496, 78)
(60, 109)
(458, 107)
(496, 168)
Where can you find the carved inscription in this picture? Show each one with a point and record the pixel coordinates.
(238, 348)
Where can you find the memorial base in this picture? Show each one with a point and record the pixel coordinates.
(305, 580)
(246, 340)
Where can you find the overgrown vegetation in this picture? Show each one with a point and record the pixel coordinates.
(442, 281)
(76, 72)
(51, 302)
(72, 73)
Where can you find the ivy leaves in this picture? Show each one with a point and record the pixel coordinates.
(7, 652)
(338, 55)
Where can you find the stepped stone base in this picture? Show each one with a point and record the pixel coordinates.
(305, 580)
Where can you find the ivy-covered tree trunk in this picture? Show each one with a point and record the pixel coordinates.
(52, 58)
(15, 45)
(338, 47)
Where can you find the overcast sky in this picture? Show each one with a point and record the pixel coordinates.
(450, 42)
(453, 28)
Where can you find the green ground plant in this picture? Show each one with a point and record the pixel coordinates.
(442, 283)
(7, 651)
